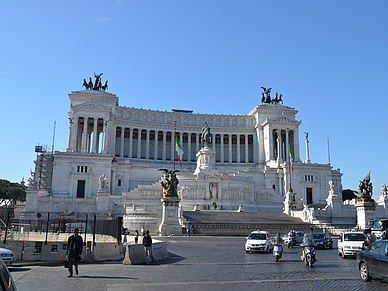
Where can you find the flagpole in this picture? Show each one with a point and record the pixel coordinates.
(289, 167)
(174, 144)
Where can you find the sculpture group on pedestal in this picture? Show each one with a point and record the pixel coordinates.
(268, 99)
(365, 190)
(97, 83)
(169, 183)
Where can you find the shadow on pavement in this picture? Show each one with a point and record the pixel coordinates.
(18, 269)
(106, 277)
(173, 258)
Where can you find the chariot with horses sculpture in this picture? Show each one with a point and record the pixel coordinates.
(268, 99)
(97, 83)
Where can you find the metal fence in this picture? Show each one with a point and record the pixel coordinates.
(89, 225)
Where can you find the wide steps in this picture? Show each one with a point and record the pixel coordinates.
(222, 222)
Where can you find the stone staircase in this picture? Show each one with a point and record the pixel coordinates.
(222, 222)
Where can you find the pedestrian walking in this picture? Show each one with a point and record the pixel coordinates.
(147, 243)
(187, 231)
(74, 251)
(136, 236)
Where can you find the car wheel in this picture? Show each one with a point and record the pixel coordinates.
(364, 273)
(339, 253)
(247, 251)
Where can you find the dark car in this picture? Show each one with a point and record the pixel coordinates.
(6, 281)
(373, 261)
(322, 240)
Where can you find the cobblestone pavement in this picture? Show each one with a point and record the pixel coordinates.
(199, 263)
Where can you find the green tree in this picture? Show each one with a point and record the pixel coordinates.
(11, 192)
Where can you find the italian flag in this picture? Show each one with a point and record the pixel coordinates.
(179, 150)
(291, 158)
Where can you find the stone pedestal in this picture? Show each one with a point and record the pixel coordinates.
(334, 208)
(170, 220)
(289, 202)
(102, 201)
(205, 161)
(366, 211)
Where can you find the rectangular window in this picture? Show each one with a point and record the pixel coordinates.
(119, 182)
(77, 169)
(54, 248)
(86, 169)
(81, 189)
(38, 248)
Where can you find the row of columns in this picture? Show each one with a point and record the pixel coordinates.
(80, 135)
(280, 148)
(187, 149)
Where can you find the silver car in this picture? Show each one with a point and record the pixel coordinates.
(7, 256)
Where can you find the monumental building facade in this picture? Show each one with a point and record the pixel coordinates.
(110, 167)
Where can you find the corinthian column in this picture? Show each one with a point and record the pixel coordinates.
(95, 135)
(130, 148)
(85, 135)
(156, 145)
(246, 149)
(69, 136)
(122, 142)
(104, 136)
(164, 145)
(147, 155)
(138, 143)
(189, 146)
(230, 148)
(238, 149)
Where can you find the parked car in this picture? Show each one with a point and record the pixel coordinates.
(258, 241)
(373, 261)
(7, 256)
(350, 243)
(298, 237)
(6, 280)
(322, 240)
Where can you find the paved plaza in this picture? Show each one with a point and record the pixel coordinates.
(200, 263)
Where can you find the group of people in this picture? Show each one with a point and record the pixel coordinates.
(75, 246)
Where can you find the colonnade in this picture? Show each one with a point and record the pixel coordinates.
(156, 144)
(282, 140)
(87, 135)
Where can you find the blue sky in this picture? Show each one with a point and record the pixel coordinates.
(327, 58)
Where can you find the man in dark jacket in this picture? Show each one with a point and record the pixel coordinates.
(147, 243)
(74, 251)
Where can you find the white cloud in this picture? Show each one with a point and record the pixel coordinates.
(100, 19)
